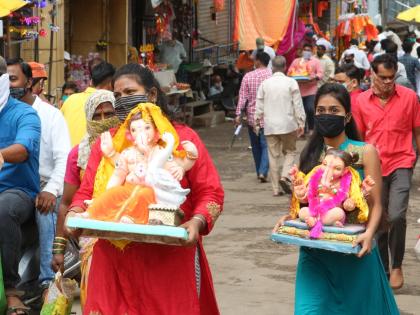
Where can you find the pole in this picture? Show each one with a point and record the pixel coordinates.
(53, 12)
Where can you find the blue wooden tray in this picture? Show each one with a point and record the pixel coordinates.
(334, 246)
(160, 234)
(349, 229)
(300, 78)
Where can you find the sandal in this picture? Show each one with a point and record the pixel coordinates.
(286, 184)
(17, 309)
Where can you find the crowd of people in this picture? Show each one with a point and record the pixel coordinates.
(55, 158)
(49, 162)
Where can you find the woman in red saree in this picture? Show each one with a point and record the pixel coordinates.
(138, 278)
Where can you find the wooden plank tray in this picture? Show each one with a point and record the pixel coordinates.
(337, 239)
(143, 233)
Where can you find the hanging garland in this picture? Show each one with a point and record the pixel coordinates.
(23, 23)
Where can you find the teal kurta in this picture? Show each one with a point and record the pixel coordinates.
(338, 284)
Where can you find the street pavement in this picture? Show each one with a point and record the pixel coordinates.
(251, 274)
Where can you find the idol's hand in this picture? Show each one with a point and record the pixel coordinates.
(190, 148)
(365, 240)
(177, 172)
(349, 204)
(107, 147)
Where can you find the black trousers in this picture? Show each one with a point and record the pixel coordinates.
(16, 207)
(395, 195)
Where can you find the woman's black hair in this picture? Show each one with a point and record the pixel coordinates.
(145, 77)
(311, 153)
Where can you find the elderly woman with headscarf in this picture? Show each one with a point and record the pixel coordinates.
(100, 117)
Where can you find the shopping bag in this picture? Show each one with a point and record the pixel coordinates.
(3, 301)
(60, 296)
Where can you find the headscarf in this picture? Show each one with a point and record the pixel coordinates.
(151, 112)
(95, 128)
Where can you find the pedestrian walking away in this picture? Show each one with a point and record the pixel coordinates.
(279, 105)
(247, 101)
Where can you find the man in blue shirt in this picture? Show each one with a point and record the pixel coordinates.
(20, 132)
(411, 64)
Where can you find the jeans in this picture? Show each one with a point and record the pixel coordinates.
(259, 151)
(308, 104)
(16, 207)
(46, 227)
(395, 195)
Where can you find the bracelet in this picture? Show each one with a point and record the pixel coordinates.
(61, 240)
(190, 156)
(58, 251)
(201, 220)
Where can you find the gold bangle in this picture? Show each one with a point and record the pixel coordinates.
(190, 156)
(60, 238)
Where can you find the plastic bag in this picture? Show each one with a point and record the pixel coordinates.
(3, 301)
(60, 295)
(417, 249)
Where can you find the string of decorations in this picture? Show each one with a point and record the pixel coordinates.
(23, 23)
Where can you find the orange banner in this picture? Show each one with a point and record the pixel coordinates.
(268, 19)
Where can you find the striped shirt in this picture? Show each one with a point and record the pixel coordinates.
(248, 93)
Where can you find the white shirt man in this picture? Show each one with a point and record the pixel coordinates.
(279, 103)
(55, 147)
(360, 59)
(267, 49)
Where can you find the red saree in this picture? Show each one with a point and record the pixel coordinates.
(155, 279)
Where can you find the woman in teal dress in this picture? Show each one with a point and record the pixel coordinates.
(330, 282)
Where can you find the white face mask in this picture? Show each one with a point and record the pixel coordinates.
(4, 90)
(307, 55)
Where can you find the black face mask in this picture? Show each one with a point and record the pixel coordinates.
(124, 105)
(330, 126)
(17, 93)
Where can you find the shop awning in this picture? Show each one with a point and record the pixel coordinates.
(268, 19)
(410, 15)
(8, 6)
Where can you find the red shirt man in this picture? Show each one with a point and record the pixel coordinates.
(388, 116)
(389, 127)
